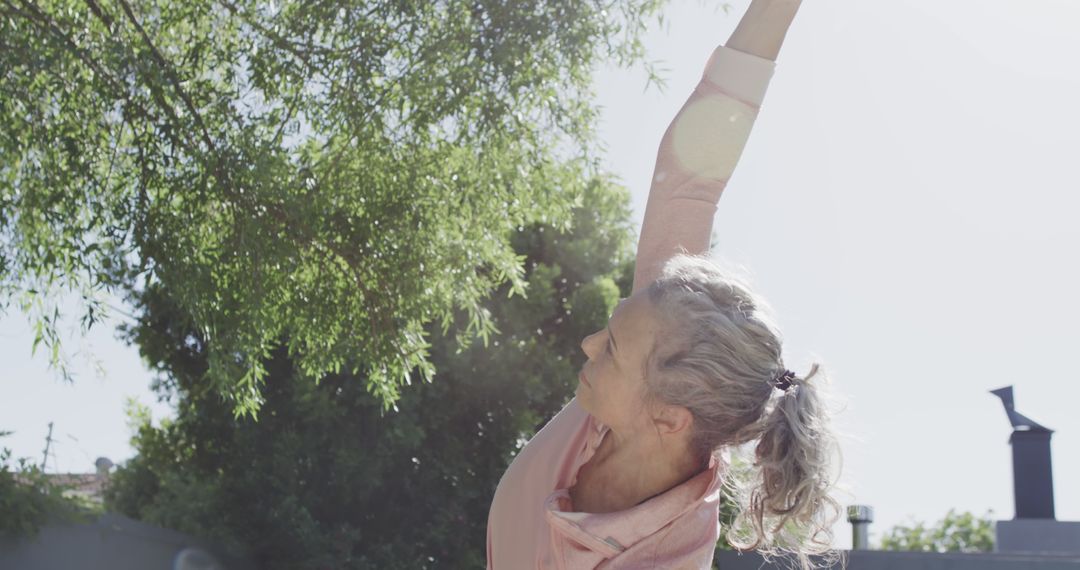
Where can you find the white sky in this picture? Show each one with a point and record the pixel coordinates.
(906, 203)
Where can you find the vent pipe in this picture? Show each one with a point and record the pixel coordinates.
(860, 517)
(102, 465)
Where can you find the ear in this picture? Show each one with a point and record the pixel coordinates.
(671, 420)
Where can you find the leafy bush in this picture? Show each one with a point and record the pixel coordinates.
(957, 532)
(28, 499)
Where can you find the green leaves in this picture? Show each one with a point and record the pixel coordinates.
(339, 174)
(957, 532)
(320, 480)
(29, 499)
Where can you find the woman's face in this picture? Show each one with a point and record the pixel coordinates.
(611, 385)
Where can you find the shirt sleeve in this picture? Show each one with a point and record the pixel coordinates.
(697, 156)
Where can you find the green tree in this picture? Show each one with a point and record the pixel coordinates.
(338, 174)
(957, 532)
(324, 479)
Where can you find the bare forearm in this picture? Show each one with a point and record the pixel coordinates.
(762, 29)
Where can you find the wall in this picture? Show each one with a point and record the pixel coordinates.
(113, 542)
(886, 560)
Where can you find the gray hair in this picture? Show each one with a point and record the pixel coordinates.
(717, 360)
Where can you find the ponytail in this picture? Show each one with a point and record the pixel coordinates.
(717, 361)
(785, 505)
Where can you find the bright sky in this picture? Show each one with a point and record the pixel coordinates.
(906, 203)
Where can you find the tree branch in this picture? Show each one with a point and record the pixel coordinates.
(288, 116)
(170, 73)
(46, 23)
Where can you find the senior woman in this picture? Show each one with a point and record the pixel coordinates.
(629, 474)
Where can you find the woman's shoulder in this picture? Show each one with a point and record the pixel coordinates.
(566, 427)
(549, 455)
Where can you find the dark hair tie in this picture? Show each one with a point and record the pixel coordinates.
(784, 380)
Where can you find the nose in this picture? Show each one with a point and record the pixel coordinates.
(588, 342)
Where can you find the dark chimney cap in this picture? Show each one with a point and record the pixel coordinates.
(1019, 421)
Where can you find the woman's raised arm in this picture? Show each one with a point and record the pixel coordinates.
(704, 141)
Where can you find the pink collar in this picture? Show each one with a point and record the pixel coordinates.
(610, 533)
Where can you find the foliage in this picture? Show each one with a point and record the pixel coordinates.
(957, 532)
(324, 479)
(274, 164)
(28, 499)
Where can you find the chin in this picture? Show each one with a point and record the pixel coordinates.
(582, 399)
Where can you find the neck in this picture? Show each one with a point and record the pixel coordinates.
(644, 465)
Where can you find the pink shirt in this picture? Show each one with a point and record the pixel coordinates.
(532, 523)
